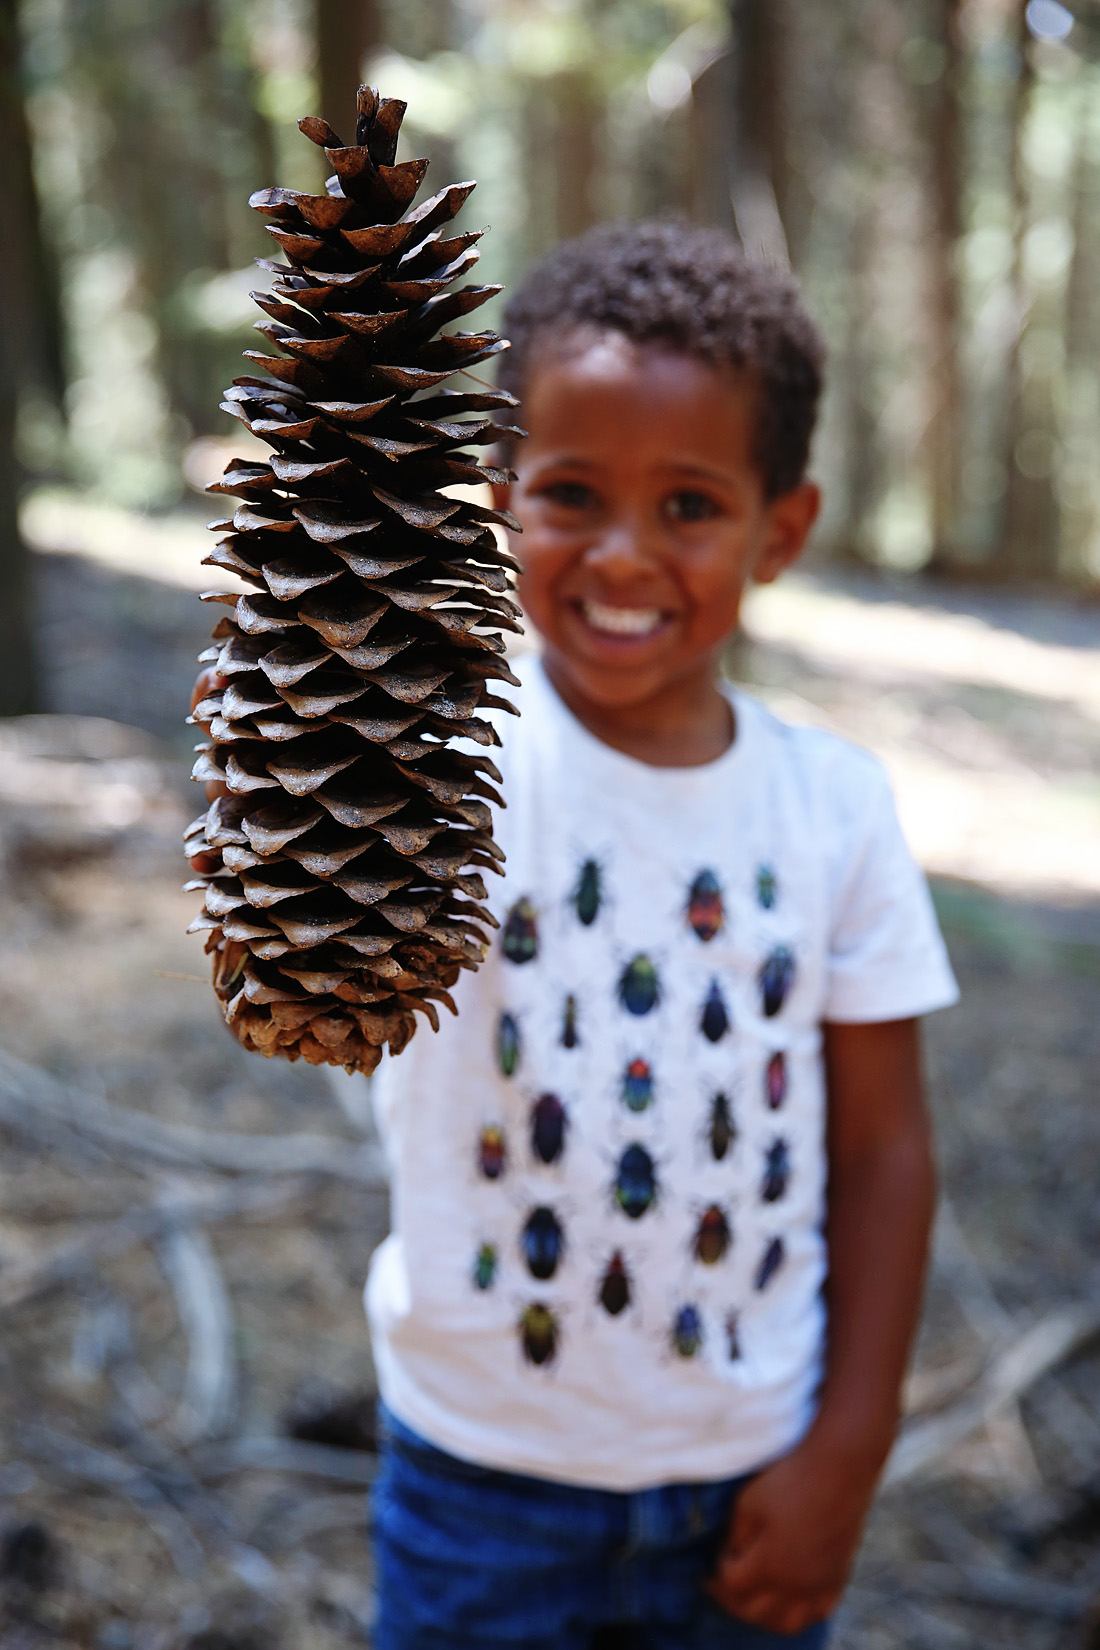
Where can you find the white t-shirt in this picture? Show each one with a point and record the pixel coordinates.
(607, 1253)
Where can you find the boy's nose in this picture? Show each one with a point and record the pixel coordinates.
(619, 549)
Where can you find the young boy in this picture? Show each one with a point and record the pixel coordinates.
(662, 1191)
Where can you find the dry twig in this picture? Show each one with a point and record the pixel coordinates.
(209, 1401)
(34, 1103)
(1058, 1336)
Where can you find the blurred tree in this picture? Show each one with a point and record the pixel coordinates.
(31, 264)
(1028, 540)
(944, 146)
(30, 356)
(348, 33)
(576, 105)
(757, 157)
(18, 676)
(1080, 481)
(863, 138)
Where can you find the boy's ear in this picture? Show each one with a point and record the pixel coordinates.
(790, 518)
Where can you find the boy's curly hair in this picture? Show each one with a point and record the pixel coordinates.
(669, 281)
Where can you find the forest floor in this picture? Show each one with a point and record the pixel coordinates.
(181, 1290)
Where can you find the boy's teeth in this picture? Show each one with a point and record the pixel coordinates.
(623, 621)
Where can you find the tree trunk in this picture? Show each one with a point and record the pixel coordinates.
(1028, 548)
(37, 341)
(944, 146)
(710, 143)
(538, 139)
(862, 453)
(868, 42)
(24, 360)
(348, 32)
(1079, 484)
(577, 150)
(759, 169)
(18, 684)
(197, 42)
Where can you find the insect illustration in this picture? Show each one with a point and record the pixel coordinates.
(687, 1331)
(770, 1262)
(587, 896)
(775, 1080)
(508, 1044)
(712, 1237)
(733, 1338)
(639, 988)
(721, 1131)
(542, 1242)
(615, 1287)
(705, 910)
(570, 1037)
(539, 1330)
(520, 939)
(767, 887)
(775, 978)
(777, 1171)
(492, 1151)
(637, 1089)
(714, 1021)
(548, 1125)
(485, 1266)
(635, 1187)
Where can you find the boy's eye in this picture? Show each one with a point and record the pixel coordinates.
(574, 495)
(690, 505)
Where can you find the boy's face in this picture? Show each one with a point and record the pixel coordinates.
(643, 518)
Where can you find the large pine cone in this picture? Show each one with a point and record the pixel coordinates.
(344, 890)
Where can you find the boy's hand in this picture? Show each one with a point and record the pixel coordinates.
(206, 682)
(792, 1540)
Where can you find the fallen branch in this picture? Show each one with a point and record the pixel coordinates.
(264, 1453)
(35, 1103)
(292, 1521)
(73, 1259)
(209, 1400)
(1050, 1342)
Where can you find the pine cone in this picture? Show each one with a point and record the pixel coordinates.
(345, 887)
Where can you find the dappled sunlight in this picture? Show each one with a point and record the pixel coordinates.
(898, 639)
(991, 737)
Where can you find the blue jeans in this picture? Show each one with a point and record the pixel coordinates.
(467, 1557)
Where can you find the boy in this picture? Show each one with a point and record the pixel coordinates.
(600, 1320)
(612, 1413)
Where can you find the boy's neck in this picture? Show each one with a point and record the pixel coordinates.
(690, 723)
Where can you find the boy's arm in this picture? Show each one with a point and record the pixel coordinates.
(796, 1526)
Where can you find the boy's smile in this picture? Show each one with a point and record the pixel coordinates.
(644, 518)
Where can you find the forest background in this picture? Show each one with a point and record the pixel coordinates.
(185, 1386)
(932, 171)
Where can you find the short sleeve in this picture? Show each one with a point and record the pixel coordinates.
(887, 959)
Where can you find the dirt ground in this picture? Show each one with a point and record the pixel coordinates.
(178, 1301)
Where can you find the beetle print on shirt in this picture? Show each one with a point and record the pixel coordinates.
(585, 995)
(639, 987)
(776, 978)
(706, 912)
(520, 940)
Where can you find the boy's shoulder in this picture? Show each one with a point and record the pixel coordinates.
(817, 752)
(838, 787)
